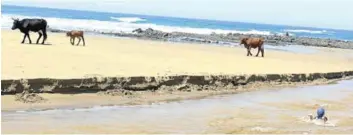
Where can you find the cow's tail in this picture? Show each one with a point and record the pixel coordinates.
(45, 23)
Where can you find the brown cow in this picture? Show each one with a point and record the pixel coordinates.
(253, 43)
(76, 34)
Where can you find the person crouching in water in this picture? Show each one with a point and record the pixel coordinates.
(320, 115)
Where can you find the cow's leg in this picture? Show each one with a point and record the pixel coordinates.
(29, 38)
(83, 39)
(40, 36)
(262, 50)
(24, 38)
(258, 51)
(79, 40)
(73, 41)
(44, 35)
(249, 51)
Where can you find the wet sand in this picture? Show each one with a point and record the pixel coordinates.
(105, 56)
(265, 111)
(8, 102)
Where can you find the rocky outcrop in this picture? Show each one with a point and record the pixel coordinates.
(181, 82)
(225, 39)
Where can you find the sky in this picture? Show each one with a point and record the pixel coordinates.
(335, 14)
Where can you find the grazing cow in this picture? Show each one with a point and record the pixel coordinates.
(76, 34)
(27, 25)
(253, 43)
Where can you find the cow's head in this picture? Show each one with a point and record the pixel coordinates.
(16, 24)
(243, 41)
(68, 34)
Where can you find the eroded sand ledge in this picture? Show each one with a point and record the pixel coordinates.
(140, 83)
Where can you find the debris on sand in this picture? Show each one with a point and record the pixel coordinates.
(262, 129)
(116, 92)
(27, 97)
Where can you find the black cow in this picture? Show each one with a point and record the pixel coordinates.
(35, 25)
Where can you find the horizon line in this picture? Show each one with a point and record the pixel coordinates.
(177, 17)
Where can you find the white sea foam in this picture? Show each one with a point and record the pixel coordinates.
(129, 19)
(262, 129)
(307, 31)
(113, 26)
(319, 122)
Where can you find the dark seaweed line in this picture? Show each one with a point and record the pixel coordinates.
(141, 83)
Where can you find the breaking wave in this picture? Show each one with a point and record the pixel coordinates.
(121, 26)
(307, 31)
(128, 19)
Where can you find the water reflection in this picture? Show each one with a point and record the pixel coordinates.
(265, 111)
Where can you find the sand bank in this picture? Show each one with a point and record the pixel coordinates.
(172, 93)
(161, 67)
(104, 56)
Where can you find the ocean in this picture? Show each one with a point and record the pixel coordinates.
(64, 19)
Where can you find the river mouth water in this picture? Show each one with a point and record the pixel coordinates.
(264, 111)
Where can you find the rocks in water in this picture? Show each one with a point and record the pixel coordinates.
(149, 30)
(56, 30)
(139, 30)
(151, 33)
(285, 39)
(275, 39)
(27, 97)
(166, 35)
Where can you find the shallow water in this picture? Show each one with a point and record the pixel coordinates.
(265, 111)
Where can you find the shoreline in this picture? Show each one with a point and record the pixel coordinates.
(146, 83)
(224, 39)
(177, 89)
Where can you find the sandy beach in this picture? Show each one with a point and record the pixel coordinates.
(124, 57)
(104, 56)
(178, 68)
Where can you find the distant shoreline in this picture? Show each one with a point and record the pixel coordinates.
(224, 39)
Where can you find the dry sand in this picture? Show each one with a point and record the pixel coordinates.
(107, 56)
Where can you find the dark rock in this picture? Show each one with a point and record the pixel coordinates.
(139, 30)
